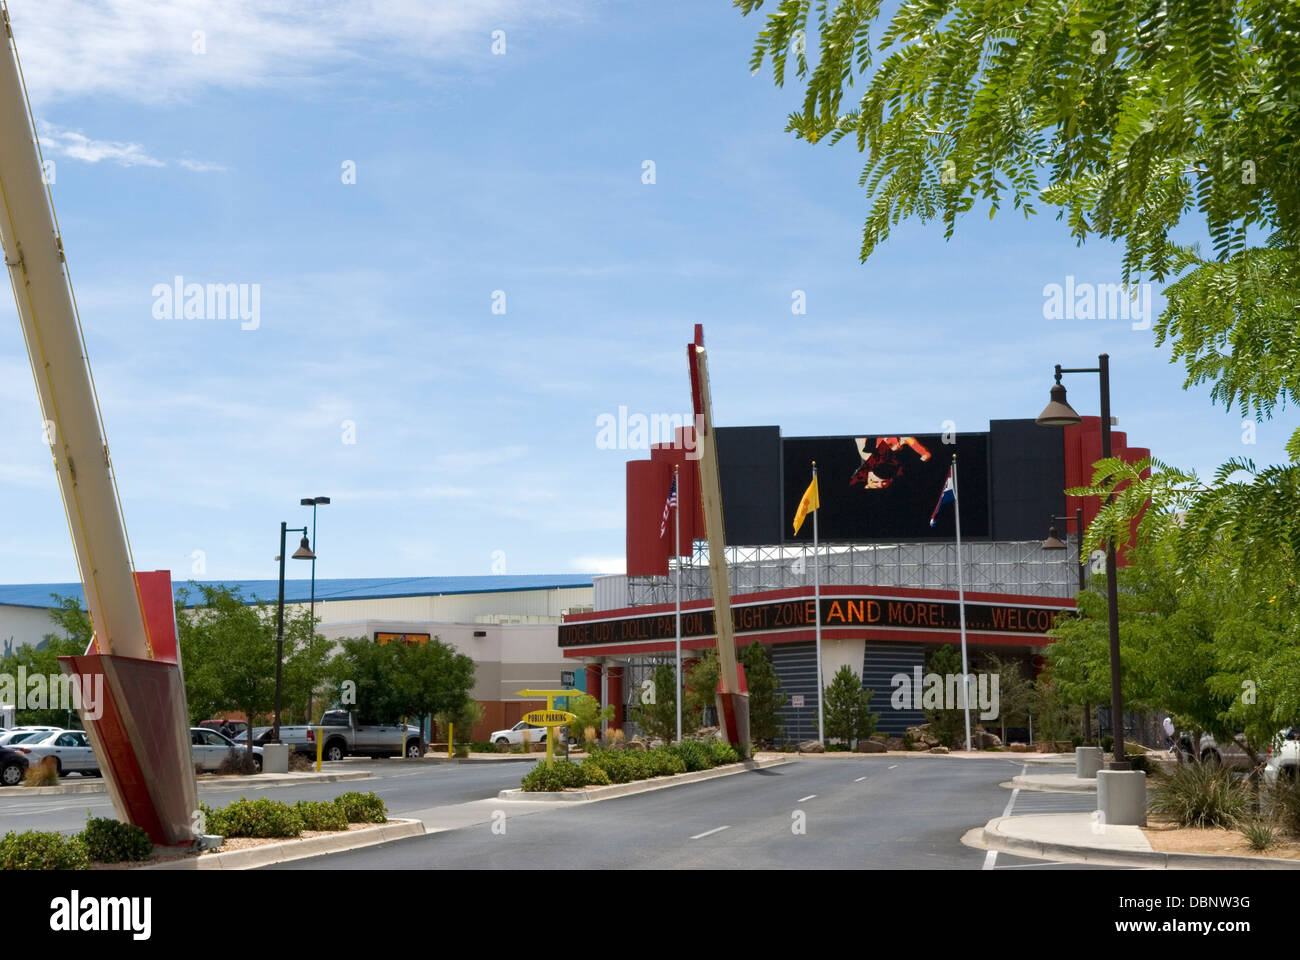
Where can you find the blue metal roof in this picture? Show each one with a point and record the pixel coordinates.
(299, 591)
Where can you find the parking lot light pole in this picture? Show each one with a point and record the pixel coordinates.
(312, 502)
(304, 552)
(1058, 413)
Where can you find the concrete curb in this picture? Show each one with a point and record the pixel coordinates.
(643, 786)
(1053, 783)
(297, 849)
(260, 780)
(990, 837)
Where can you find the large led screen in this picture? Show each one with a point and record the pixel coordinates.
(884, 487)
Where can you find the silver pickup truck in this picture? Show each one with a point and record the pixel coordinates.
(343, 736)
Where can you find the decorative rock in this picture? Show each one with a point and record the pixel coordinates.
(894, 743)
(938, 749)
(871, 746)
(1018, 747)
(812, 746)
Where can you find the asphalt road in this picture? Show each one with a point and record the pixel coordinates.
(406, 790)
(863, 812)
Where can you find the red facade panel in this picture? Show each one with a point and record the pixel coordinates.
(647, 492)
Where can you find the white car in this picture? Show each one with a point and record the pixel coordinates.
(515, 735)
(1284, 757)
(211, 748)
(70, 748)
(18, 734)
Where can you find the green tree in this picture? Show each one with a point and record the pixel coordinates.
(42, 660)
(1123, 115)
(658, 716)
(847, 711)
(1014, 690)
(947, 723)
(462, 721)
(765, 696)
(587, 712)
(702, 687)
(227, 653)
(396, 680)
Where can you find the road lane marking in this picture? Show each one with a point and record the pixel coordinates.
(891, 767)
(708, 832)
(809, 797)
(859, 780)
(991, 857)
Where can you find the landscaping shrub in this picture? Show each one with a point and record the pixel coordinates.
(593, 775)
(664, 763)
(300, 762)
(721, 752)
(41, 775)
(362, 807)
(1284, 799)
(238, 762)
(321, 815)
(621, 766)
(37, 850)
(694, 754)
(1201, 795)
(1259, 835)
(553, 777)
(112, 841)
(255, 818)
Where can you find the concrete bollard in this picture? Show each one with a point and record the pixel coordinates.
(1087, 761)
(275, 758)
(1122, 797)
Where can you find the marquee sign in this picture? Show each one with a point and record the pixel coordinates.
(882, 612)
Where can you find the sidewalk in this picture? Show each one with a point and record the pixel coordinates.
(1077, 838)
(1054, 783)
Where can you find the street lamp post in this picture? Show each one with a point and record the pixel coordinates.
(304, 552)
(1058, 413)
(312, 502)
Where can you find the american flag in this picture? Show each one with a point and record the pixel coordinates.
(669, 504)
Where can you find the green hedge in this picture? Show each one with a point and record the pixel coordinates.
(602, 767)
(321, 815)
(38, 850)
(112, 841)
(362, 807)
(255, 818)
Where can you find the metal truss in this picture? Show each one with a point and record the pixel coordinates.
(1000, 566)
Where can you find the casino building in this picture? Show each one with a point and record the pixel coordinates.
(888, 578)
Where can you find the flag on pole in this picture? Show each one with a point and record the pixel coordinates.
(809, 502)
(668, 508)
(949, 495)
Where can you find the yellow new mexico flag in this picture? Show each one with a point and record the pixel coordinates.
(809, 502)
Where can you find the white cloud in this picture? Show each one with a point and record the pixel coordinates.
(77, 146)
(144, 50)
(70, 143)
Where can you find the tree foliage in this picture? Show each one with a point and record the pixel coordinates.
(765, 696)
(396, 680)
(1131, 118)
(847, 711)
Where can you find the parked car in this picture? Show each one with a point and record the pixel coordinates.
(1232, 754)
(344, 736)
(211, 749)
(1284, 756)
(515, 735)
(236, 727)
(19, 734)
(13, 767)
(70, 748)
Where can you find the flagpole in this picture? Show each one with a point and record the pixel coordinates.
(677, 539)
(961, 604)
(817, 616)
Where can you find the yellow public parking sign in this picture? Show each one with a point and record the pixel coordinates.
(550, 717)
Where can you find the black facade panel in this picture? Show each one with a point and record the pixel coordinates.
(1027, 478)
(749, 467)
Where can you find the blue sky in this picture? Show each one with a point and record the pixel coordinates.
(475, 433)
